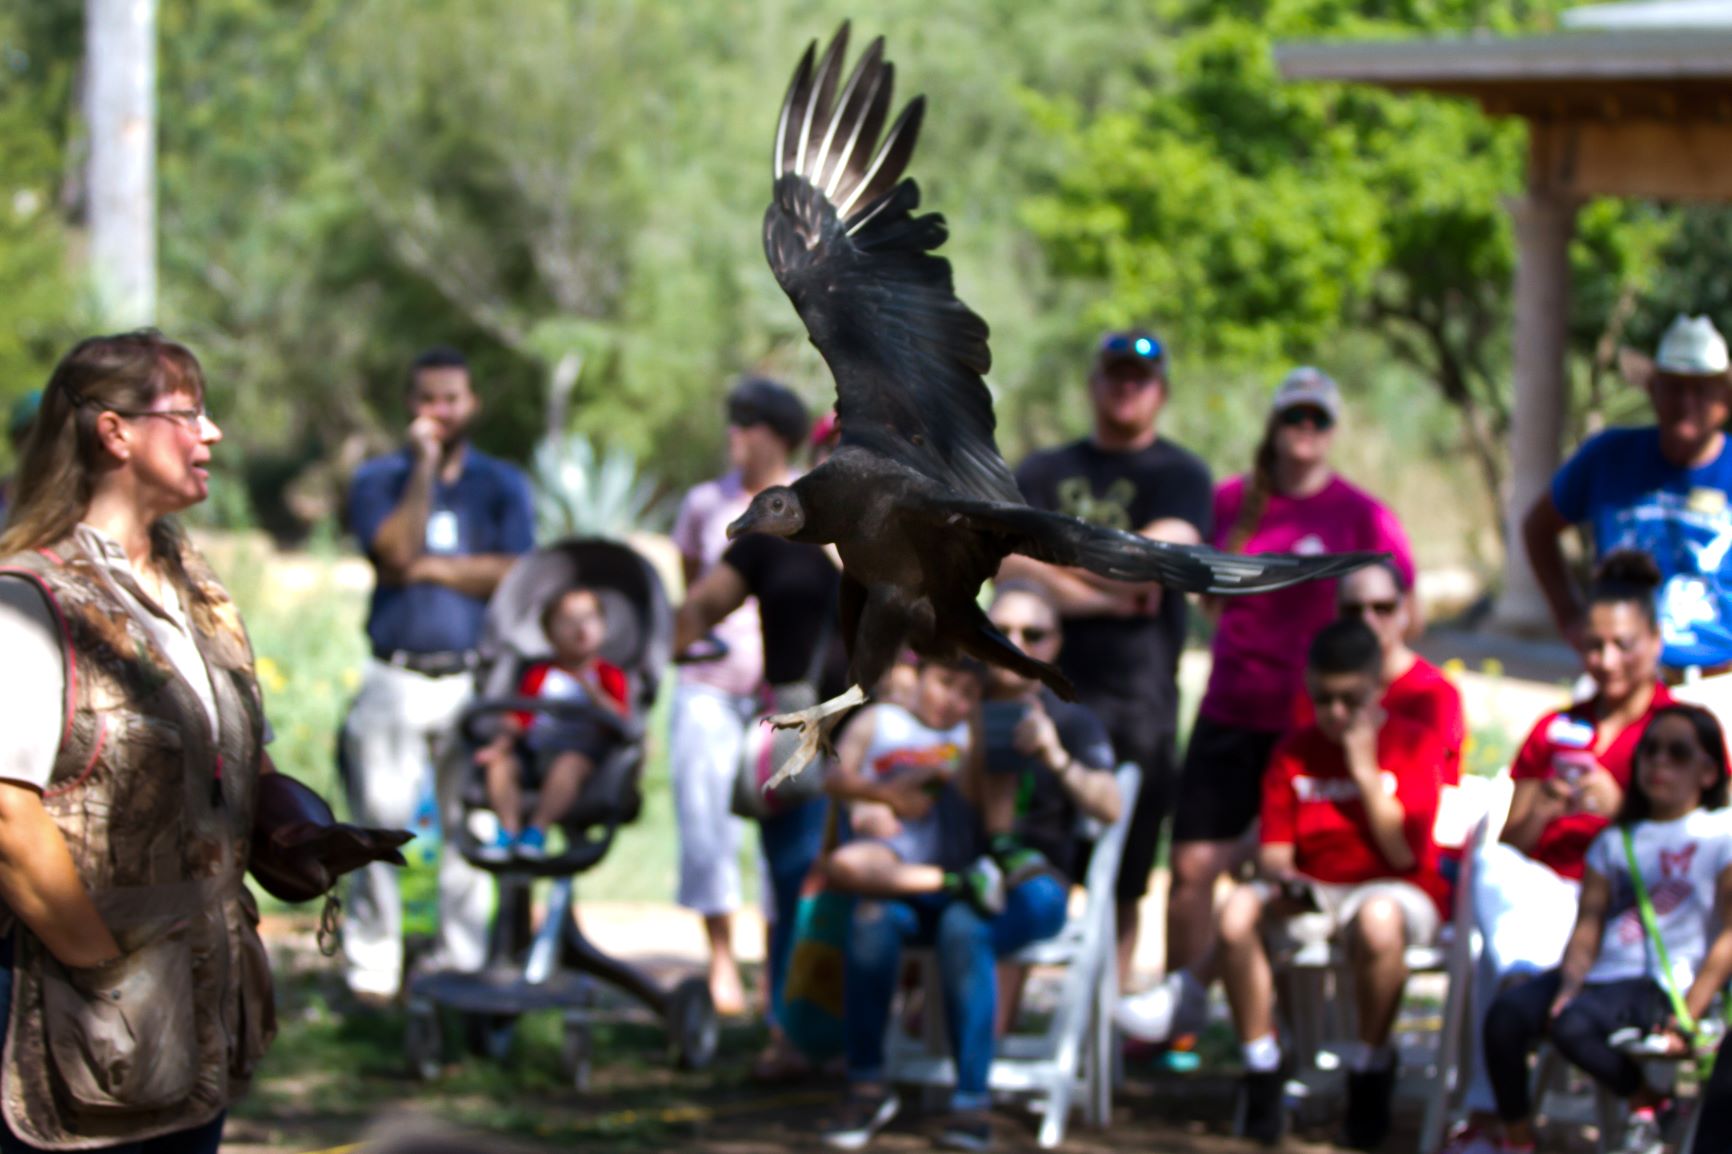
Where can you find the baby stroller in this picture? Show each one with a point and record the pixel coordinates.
(553, 968)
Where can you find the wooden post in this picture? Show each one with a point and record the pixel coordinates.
(120, 107)
(1545, 220)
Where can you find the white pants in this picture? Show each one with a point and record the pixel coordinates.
(395, 734)
(1525, 914)
(706, 735)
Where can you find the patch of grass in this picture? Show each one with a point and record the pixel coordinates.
(330, 1065)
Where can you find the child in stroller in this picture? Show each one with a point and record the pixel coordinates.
(611, 596)
(565, 751)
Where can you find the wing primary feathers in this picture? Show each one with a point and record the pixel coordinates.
(853, 109)
(892, 158)
(865, 139)
(787, 155)
(818, 102)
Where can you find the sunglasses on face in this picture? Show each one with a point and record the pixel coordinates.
(1351, 701)
(1031, 635)
(1131, 345)
(1360, 608)
(1304, 415)
(1677, 750)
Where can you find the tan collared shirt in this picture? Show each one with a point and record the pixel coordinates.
(33, 672)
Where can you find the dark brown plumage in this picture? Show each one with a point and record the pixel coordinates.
(917, 499)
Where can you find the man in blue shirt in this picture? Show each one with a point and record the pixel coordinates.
(1660, 488)
(441, 522)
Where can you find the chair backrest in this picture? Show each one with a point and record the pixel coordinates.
(1109, 847)
(1462, 806)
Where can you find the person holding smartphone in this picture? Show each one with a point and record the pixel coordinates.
(1046, 762)
(1346, 851)
(1570, 777)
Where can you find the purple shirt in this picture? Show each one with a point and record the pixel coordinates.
(1261, 640)
(701, 535)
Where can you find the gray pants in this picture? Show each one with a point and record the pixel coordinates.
(396, 733)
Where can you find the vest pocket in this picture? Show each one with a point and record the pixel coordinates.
(122, 1037)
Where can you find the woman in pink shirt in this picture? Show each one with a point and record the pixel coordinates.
(1290, 501)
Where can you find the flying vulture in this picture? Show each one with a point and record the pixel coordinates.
(916, 498)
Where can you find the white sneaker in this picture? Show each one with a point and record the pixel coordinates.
(1178, 1004)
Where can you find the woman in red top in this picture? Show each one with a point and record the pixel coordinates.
(1570, 777)
(576, 627)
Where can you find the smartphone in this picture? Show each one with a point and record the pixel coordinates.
(998, 722)
(1300, 894)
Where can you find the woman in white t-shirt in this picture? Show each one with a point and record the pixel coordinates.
(1614, 975)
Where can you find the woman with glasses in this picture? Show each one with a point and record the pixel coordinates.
(139, 992)
(1292, 500)
(1570, 778)
(1414, 688)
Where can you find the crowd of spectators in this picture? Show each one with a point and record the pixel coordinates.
(1303, 807)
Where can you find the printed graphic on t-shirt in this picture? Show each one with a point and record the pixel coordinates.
(1334, 790)
(946, 756)
(1111, 508)
(1689, 536)
(1669, 891)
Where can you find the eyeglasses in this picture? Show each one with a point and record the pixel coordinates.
(188, 419)
(1678, 751)
(1131, 344)
(1305, 415)
(1032, 635)
(1360, 608)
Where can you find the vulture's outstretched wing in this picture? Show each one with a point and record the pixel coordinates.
(1061, 540)
(845, 245)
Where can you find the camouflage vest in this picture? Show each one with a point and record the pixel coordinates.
(158, 819)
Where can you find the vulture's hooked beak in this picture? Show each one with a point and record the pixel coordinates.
(742, 524)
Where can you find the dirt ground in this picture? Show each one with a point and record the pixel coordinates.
(337, 1081)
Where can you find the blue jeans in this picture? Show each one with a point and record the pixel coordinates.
(202, 1140)
(791, 842)
(968, 946)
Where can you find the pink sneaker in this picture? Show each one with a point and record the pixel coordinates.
(1471, 1140)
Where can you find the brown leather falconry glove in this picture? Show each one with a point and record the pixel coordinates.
(300, 849)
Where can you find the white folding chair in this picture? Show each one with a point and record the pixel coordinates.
(1316, 1003)
(1071, 1062)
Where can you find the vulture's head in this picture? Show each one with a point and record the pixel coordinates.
(776, 511)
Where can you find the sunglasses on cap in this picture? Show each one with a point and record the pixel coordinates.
(1305, 415)
(1132, 344)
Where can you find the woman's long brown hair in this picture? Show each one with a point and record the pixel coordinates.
(62, 456)
(1259, 484)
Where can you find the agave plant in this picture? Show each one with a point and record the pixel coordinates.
(579, 492)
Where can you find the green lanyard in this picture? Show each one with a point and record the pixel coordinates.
(1645, 904)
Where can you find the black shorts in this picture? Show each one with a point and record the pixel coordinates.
(1221, 787)
(1155, 751)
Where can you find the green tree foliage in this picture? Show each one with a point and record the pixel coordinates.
(39, 307)
(573, 192)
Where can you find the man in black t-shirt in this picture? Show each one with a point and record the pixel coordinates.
(1123, 640)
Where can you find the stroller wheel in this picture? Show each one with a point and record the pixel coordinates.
(489, 1035)
(422, 1043)
(575, 1051)
(692, 1027)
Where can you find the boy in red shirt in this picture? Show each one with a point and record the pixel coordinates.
(1348, 807)
(576, 627)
